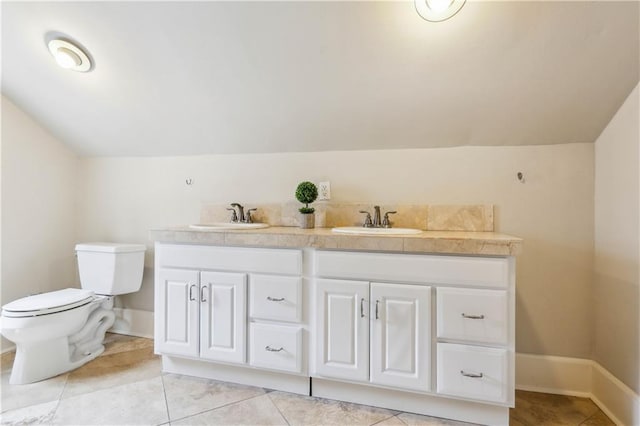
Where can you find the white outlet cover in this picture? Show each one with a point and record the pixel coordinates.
(324, 191)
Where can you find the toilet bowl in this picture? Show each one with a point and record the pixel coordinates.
(61, 330)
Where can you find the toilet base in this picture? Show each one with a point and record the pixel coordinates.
(39, 360)
(42, 360)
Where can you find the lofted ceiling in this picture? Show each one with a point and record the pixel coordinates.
(184, 78)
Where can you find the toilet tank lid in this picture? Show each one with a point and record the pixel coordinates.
(111, 247)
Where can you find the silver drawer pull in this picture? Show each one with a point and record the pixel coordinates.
(270, 349)
(472, 316)
(473, 375)
(275, 299)
(362, 308)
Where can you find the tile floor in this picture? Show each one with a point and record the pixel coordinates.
(125, 386)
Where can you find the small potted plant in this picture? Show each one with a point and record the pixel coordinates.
(306, 193)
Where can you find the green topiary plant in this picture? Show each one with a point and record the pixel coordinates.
(306, 193)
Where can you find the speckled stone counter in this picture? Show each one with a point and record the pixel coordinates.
(449, 242)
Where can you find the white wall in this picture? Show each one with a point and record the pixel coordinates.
(121, 198)
(617, 245)
(39, 176)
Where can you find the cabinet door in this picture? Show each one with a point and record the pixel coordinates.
(400, 335)
(223, 316)
(342, 329)
(177, 312)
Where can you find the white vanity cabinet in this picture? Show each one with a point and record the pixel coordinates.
(216, 307)
(373, 332)
(425, 333)
(436, 325)
(204, 314)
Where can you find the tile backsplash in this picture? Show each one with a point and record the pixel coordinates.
(435, 217)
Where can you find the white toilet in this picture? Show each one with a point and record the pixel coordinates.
(61, 330)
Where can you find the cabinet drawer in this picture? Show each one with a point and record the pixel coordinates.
(277, 298)
(245, 259)
(472, 372)
(414, 268)
(472, 315)
(276, 347)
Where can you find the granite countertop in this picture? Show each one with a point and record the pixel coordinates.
(452, 242)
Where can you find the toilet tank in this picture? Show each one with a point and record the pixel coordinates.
(110, 268)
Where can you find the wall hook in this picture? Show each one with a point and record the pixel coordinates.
(189, 181)
(520, 176)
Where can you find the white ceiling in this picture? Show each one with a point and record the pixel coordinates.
(177, 78)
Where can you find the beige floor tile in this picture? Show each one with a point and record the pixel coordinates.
(256, 411)
(132, 404)
(418, 420)
(18, 396)
(304, 410)
(539, 409)
(598, 419)
(115, 343)
(6, 361)
(187, 396)
(514, 422)
(124, 386)
(32, 415)
(113, 370)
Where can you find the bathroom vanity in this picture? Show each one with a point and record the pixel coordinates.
(420, 323)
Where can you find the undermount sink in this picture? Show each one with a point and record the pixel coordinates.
(220, 226)
(360, 230)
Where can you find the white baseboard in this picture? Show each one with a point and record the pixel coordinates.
(133, 322)
(554, 374)
(616, 399)
(579, 377)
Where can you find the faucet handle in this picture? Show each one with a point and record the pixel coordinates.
(368, 223)
(385, 222)
(234, 215)
(247, 216)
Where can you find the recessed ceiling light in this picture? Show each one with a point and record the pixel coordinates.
(438, 10)
(69, 56)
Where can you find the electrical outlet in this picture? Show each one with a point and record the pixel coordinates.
(324, 191)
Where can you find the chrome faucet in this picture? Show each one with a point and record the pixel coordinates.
(240, 216)
(377, 222)
(376, 217)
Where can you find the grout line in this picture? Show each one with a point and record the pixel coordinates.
(166, 403)
(384, 420)
(216, 408)
(399, 418)
(64, 388)
(278, 408)
(593, 415)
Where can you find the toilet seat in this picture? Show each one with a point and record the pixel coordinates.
(47, 303)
